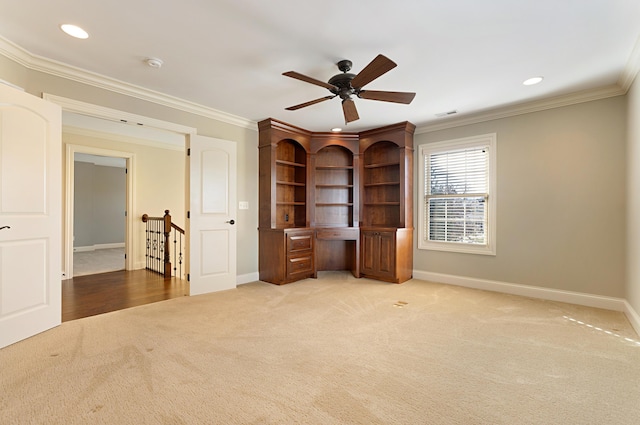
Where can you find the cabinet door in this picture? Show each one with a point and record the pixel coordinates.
(386, 254)
(368, 247)
(379, 254)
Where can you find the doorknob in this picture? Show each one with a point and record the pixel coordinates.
(5, 227)
(231, 222)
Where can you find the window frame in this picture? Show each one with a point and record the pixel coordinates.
(489, 141)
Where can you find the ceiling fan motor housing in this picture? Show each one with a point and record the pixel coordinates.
(343, 83)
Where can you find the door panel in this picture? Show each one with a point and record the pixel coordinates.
(30, 207)
(217, 264)
(211, 234)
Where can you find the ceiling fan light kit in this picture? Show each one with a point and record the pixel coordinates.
(347, 85)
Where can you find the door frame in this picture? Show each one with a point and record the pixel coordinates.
(130, 242)
(95, 111)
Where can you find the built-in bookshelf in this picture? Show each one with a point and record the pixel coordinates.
(291, 185)
(381, 185)
(334, 187)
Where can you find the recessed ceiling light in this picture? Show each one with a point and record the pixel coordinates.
(74, 31)
(336, 129)
(532, 81)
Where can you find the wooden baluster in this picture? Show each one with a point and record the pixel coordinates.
(167, 254)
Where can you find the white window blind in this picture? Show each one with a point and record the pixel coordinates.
(457, 190)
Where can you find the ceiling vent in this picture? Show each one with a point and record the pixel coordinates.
(446, 114)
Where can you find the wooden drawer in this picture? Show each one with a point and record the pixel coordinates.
(349, 234)
(299, 265)
(298, 242)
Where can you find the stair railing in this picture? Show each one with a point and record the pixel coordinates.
(160, 234)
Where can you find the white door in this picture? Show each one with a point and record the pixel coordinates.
(211, 227)
(30, 215)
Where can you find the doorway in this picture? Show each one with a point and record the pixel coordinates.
(129, 243)
(99, 223)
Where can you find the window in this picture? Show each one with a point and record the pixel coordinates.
(457, 209)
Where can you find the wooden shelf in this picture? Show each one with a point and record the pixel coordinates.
(381, 165)
(291, 183)
(293, 164)
(334, 167)
(291, 203)
(334, 186)
(381, 184)
(382, 204)
(334, 204)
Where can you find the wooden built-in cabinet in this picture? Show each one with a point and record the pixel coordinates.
(335, 201)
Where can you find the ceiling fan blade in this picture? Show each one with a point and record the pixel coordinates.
(312, 102)
(311, 80)
(377, 67)
(387, 96)
(350, 111)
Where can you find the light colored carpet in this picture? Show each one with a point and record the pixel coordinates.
(98, 261)
(336, 350)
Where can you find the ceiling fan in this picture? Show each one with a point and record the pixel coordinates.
(346, 85)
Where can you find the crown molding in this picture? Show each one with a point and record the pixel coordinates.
(631, 70)
(524, 108)
(41, 64)
(59, 69)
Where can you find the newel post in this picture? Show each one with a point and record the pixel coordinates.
(167, 254)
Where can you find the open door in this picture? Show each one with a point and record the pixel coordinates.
(30, 215)
(211, 227)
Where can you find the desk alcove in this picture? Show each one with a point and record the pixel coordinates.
(335, 201)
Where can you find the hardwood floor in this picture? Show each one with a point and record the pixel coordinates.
(85, 296)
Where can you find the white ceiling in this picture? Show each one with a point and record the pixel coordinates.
(228, 55)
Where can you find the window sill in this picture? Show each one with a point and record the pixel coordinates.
(458, 247)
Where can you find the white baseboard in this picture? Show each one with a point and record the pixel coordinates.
(633, 316)
(589, 300)
(246, 278)
(98, 246)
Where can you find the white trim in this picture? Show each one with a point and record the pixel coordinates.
(130, 240)
(523, 108)
(83, 108)
(66, 129)
(633, 316)
(579, 298)
(6, 83)
(241, 279)
(98, 246)
(59, 69)
(489, 140)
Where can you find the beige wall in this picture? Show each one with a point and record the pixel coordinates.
(633, 198)
(562, 188)
(37, 83)
(560, 202)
